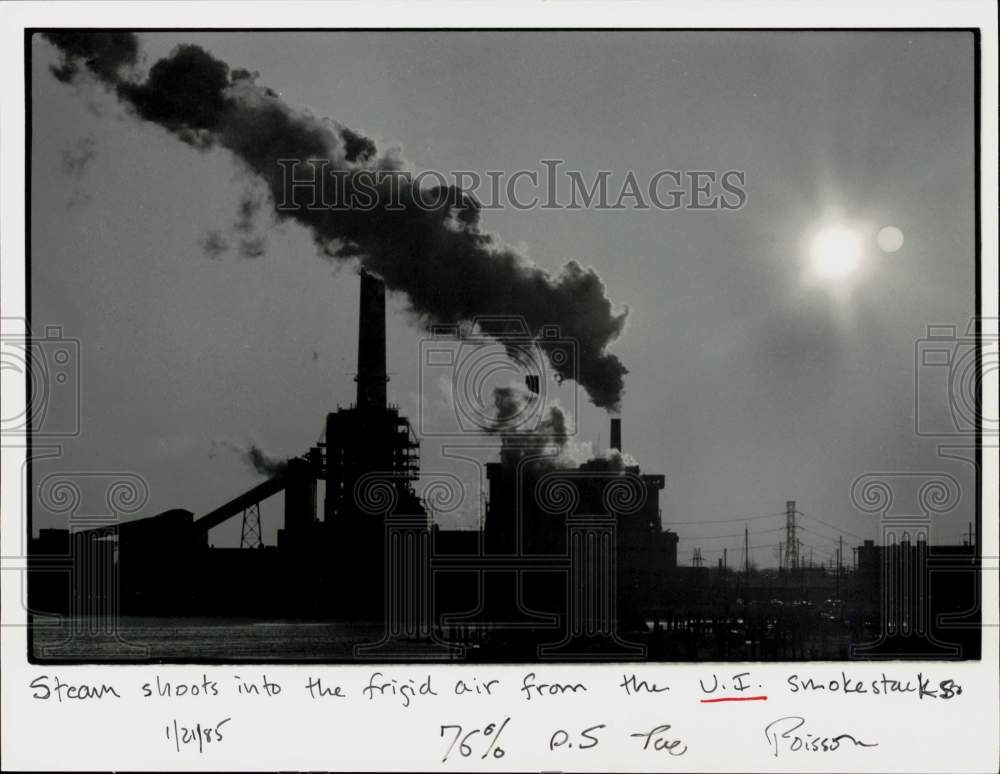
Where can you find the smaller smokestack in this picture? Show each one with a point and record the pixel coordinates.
(616, 433)
(371, 376)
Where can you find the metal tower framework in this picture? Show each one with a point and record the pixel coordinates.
(251, 536)
(791, 541)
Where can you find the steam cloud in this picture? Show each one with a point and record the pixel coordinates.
(547, 445)
(448, 269)
(547, 437)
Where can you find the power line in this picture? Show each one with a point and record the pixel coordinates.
(746, 548)
(755, 547)
(726, 521)
(838, 530)
(733, 535)
(816, 530)
(811, 531)
(811, 546)
(831, 526)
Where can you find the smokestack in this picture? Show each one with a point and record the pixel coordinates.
(371, 376)
(616, 433)
(532, 381)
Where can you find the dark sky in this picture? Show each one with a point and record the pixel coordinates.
(749, 384)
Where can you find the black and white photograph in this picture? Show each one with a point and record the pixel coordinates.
(551, 346)
(575, 363)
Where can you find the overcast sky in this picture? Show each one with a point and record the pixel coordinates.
(748, 386)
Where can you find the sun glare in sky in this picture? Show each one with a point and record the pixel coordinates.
(839, 250)
(836, 252)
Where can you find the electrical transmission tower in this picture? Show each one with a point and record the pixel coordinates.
(791, 541)
(696, 559)
(251, 536)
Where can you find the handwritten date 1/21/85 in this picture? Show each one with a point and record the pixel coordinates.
(202, 735)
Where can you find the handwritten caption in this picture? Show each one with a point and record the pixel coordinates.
(459, 738)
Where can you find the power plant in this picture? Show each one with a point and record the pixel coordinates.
(571, 560)
(367, 466)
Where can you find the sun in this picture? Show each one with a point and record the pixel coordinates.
(835, 252)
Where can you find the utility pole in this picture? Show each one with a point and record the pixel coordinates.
(840, 551)
(746, 550)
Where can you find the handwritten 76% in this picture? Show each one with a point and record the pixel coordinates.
(489, 739)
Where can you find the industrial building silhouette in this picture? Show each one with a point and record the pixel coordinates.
(572, 561)
(513, 573)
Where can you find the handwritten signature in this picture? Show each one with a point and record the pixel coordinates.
(782, 732)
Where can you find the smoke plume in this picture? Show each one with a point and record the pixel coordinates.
(214, 244)
(77, 156)
(449, 270)
(255, 457)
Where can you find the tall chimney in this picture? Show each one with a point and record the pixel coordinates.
(616, 433)
(371, 376)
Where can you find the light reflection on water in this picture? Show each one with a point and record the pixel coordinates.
(209, 638)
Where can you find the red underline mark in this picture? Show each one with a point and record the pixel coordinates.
(734, 698)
